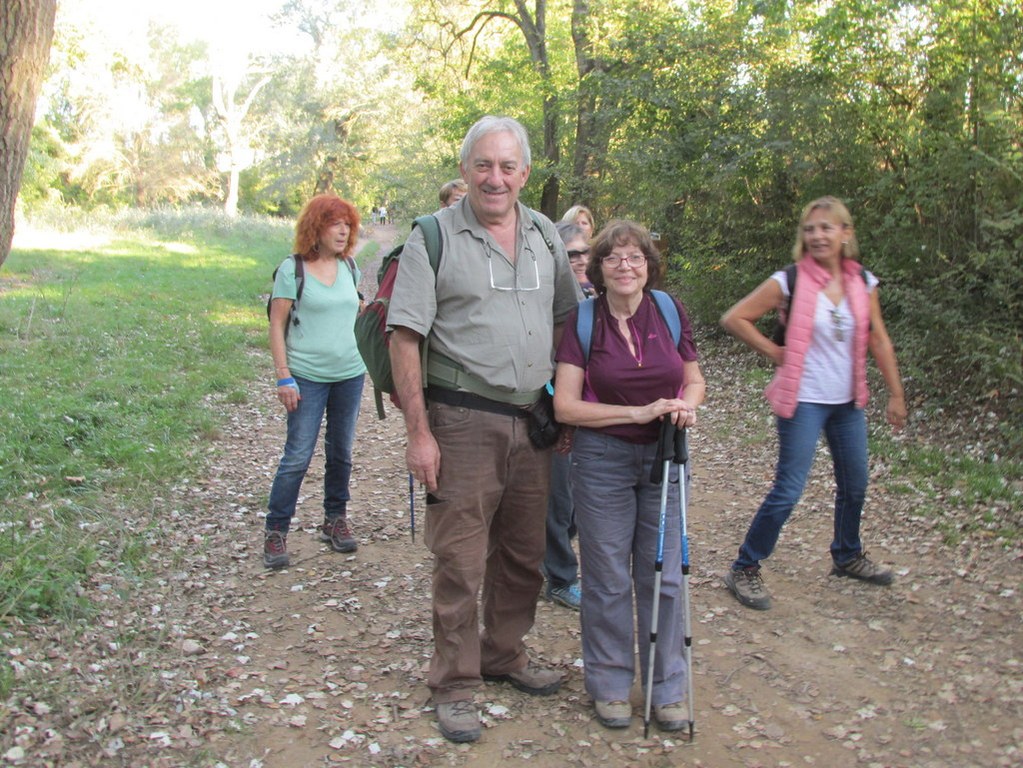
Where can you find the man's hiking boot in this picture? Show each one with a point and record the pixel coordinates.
(862, 568)
(275, 550)
(748, 587)
(533, 680)
(458, 720)
(336, 532)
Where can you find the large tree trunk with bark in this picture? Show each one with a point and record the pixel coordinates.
(26, 31)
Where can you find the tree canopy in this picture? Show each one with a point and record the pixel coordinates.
(710, 122)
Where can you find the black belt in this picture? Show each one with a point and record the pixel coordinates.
(460, 399)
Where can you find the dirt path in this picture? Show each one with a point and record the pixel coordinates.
(325, 663)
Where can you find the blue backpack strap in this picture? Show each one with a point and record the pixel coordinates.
(668, 310)
(585, 320)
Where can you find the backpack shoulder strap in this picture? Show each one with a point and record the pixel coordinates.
(432, 238)
(791, 272)
(585, 321)
(536, 220)
(666, 306)
(299, 277)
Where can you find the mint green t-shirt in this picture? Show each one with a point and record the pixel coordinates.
(322, 346)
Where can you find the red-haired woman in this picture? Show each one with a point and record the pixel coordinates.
(319, 370)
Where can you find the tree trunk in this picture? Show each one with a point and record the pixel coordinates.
(26, 31)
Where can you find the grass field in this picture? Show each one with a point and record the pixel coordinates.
(112, 338)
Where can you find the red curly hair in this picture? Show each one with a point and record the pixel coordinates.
(319, 213)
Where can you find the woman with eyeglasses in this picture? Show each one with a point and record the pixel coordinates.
(560, 564)
(820, 385)
(616, 393)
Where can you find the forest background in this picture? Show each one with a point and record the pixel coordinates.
(710, 122)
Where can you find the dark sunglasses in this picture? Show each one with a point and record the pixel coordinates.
(578, 254)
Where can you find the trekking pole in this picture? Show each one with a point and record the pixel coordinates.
(682, 459)
(658, 473)
(412, 504)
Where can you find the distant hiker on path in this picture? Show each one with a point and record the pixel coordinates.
(820, 384)
(488, 316)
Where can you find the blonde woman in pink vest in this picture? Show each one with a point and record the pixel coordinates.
(819, 385)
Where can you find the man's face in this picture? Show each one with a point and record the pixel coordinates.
(495, 173)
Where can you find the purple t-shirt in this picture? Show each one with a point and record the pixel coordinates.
(617, 377)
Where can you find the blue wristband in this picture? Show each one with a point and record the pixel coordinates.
(288, 382)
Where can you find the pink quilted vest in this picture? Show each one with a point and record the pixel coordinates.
(783, 391)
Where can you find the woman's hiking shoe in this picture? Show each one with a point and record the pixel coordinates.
(336, 532)
(275, 550)
(748, 587)
(533, 680)
(458, 720)
(613, 714)
(671, 717)
(864, 569)
(569, 596)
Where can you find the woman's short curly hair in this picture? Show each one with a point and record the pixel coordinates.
(320, 213)
(618, 233)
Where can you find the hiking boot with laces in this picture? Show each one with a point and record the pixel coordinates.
(864, 569)
(336, 532)
(458, 720)
(533, 680)
(748, 587)
(275, 550)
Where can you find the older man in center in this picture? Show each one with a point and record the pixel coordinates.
(489, 316)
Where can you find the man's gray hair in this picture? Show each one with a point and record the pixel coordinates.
(494, 124)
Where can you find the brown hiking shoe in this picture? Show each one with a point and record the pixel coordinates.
(275, 550)
(864, 569)
(458, 720)
(748, 587)
(335, 531)
(533, 680)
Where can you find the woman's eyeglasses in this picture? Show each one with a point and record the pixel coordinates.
(634, 260)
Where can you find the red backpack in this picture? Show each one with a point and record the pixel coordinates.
(371, 324)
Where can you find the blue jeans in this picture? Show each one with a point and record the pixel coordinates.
(845, 428)
(340, 400)
(560, 564)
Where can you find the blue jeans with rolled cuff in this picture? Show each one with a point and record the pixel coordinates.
(339, 401)
(845, 428)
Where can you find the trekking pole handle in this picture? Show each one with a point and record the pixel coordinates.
(665, 450)
(681, 446)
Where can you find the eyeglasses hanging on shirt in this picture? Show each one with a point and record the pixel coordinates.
(516, 287)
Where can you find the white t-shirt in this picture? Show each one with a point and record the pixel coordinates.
(828, 366)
